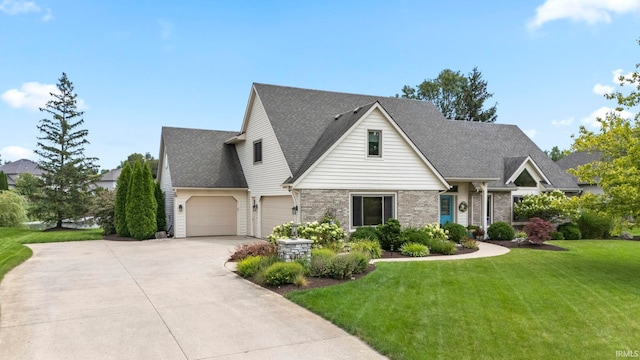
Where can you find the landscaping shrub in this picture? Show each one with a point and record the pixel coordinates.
(442, 246)
(414, 249)
(12, 209)
(538, 231)
(547, 206)
(300, 281)
(322, 234)
(103, 210)
(319, 264)
(418, 236)
(457, 232)
(249, 266)
(370, 248)
(501, 231)
(282, 273)
(344, 266)
(556, 235)
(478, 233)
(570, 231)
(390, 234)
(365, 233)
(521, 235)
(246, 250)
(161, 218)
(470, 244)
(594, 226)
(122, 187)
(141, 204)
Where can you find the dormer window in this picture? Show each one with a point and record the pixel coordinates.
(257, 151)
(374, 139)
(525, 180)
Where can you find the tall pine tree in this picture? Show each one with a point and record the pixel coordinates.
(122, 187)
(4, 182)
(68, 175)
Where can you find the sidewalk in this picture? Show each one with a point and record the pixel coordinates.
(484, 250)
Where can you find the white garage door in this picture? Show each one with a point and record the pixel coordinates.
(276, 210)
(211, 215)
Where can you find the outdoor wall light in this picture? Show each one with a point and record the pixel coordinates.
(255, 206)
(180, 208)
(294, 210)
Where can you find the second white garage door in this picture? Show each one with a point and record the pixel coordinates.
(276, 210)
(211, 215)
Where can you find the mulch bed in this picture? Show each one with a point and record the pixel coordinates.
(114, 237)
(514, 245)
(314, 282)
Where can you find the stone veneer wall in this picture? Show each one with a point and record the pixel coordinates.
(501, 207)
(290, 250)
(417, 208)
(315, 203)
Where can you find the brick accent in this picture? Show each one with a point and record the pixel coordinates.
(417, 208)
(501, 207)
(315, 203)
(414, 207)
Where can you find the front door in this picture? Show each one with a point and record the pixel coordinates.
(446, 209)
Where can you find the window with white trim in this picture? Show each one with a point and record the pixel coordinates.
(257, 151)
(374, 143)
(372, 210)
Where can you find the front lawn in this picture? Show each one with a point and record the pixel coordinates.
(528, 304)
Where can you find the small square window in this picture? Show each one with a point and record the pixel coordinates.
(257, 151)
(374, 143)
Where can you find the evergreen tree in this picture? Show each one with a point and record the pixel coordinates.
(122, 188)
(4, 182)
(161, 219)
(458, 97)
(68, 175)
(141, 204)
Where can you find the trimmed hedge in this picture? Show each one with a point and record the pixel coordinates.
(457, 232)
(501, 231)
(570, 231)
(365, 233)
(282, 273)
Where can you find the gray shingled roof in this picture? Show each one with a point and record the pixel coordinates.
(457, 149)
(22, 166)
(111, 175)
(201, 159)
(576, 159)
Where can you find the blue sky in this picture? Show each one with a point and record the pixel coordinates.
(140, 65)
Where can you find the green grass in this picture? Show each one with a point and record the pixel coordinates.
(634, 231)
(528, 304)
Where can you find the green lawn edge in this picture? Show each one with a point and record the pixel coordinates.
(581, 303)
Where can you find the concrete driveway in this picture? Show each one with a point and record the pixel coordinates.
(157, 299)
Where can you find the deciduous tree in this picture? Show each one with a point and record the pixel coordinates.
(12, 209)
(618, 170)
(556, 154)
(68, 175)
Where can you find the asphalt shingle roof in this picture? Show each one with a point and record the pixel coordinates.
(200, 159)
(304, 123)
(578, 158)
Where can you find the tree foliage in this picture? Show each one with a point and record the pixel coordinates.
(457, 96)
(618, 170)
(141, 204)
(122, 188)
(4, 182)
(161, 219)
(556, 154)
(103, 210)
(28, 186)
(12, 209)
(147, 158)
(68, 174)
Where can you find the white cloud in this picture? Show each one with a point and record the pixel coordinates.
(591, 120)
(589, 11)
(531, 133)
(13, 7)
(166, 29)
(602, 89)
(563, 122)
(48, 15)
(619, 72)
(34, 95)
(13, 153)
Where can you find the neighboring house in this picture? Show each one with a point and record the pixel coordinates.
(576, 159)
(22, 166)
(364, 159)
(109, 179)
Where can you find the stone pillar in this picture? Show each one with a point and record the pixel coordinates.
(290, 250)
